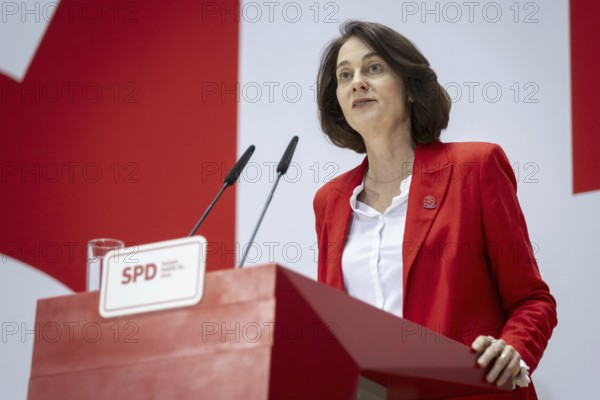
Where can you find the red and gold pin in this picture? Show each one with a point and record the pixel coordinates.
(429, 202)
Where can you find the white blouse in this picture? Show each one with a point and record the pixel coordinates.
(372, 257)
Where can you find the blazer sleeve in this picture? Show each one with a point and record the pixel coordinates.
(529, 307)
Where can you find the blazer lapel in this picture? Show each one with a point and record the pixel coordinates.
(431, 174)
(339, 215)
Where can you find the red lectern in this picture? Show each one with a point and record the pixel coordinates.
(258, 333)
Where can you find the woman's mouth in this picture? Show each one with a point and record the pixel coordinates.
(361, 102)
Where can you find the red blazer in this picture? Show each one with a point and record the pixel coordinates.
(468, 265)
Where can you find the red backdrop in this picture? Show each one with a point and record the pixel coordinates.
(585, 84)
(111, 132)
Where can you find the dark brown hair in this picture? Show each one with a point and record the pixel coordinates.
(429, 108)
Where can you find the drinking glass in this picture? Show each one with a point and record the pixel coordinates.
(96, 250)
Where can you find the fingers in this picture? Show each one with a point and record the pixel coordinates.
(491, 349)
(482, 343)
(510, 368)
(504, 358)
(504, 366)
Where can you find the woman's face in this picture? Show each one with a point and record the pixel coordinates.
(370, 94)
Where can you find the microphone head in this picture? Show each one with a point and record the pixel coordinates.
(286, 159)
(237, 169)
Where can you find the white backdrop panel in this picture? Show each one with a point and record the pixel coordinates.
(506, 66)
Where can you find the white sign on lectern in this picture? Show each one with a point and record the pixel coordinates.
(151, 277)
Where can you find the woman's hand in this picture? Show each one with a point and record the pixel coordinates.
(506, 359)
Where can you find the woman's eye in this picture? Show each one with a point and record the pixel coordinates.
(375, 68)
(344, 76)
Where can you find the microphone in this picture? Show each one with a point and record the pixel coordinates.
(230, 179)
(235, 172)
(284, 163)
(282, 168)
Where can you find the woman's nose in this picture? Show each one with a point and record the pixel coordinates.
(359, 83)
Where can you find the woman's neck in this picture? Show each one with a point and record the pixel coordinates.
(390, 158)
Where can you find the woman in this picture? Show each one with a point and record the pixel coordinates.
(429, 231)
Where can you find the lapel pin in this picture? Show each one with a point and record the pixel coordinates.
(429, 202)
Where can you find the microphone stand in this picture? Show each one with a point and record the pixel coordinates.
(230, 179)
(262, 215)
(282, 168)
